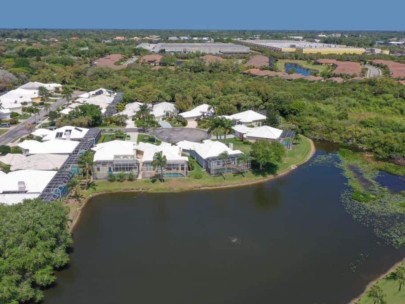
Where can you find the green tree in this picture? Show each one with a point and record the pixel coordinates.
(67, 93)
(267, 153)
(376, 294)
(43, 93)
(159, 162)
(86, 166)
(400, 276)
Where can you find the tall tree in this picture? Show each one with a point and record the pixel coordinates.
(376, 294)
(43, 93)
(400, 275)
(266, 153)
(159, 162)
(67, 93)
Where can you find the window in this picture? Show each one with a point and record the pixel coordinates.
(98, 169)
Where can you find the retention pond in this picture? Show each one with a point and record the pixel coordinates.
(289, 240)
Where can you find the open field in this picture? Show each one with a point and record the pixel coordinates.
(343, 67)
(109, 61)
(397, 70)
(258, 61)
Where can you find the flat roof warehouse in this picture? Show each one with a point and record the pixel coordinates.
(207, 48)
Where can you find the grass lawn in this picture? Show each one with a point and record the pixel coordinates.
(305, 64)
(2, 131)
(390, 288)
(148, 139)
(294, 157)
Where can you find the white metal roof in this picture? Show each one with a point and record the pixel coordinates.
(198, 111)
(14, 98)
(160, 109)
(54, 146)
(172, 153)
(36, 85)
(33, 162)
(107, 151)
(16, 198)
(131, 109)
(66, 132)
(33, 181)
(248, 116)
(264, 132)
(208, 148)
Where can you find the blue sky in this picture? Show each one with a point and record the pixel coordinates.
(208, 14)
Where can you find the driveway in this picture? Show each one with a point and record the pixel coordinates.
(372, 71)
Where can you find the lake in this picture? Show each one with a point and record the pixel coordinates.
(289, 240)
(297, 69)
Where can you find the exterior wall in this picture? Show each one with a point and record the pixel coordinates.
(338, 51)
(101, 170)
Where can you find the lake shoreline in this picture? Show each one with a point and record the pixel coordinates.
(74, 217)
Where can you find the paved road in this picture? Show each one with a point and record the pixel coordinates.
(21, 130)
(372, 71)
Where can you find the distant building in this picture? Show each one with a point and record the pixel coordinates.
(198, 112)
(248, 117)
(206, 48)
(305, 47)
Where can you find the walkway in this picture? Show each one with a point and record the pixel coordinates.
(372, 71)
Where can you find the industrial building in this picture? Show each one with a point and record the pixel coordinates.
(206, 48)
(305, 47)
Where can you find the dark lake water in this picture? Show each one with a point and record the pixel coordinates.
(297, 68)
(394, 183)
(285, 241)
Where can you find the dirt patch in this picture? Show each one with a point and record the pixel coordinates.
(397, 70)
(343, 67)
(258, 61)
(109, 61)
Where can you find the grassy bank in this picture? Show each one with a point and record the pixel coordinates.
(390, 289)
(3, 131)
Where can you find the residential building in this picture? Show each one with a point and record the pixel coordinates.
(54, 146)
(64, 133)
(23, 184)
(114, 157)
(5, 114)
(163, 109)
(176, 166)
(198, 112)
(153, 59)
(206, 48)
(215, 157)
(123, 156)
(248, 118)
(45, 162)
(131, 109)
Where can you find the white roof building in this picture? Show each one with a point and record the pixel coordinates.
(13, 100)
(263, 132)
(100, 97)
(24, 184)
(161, 109)
(109, 150)
(54, 146)
(33, 162)
(208, 148)
(36, 85)
(65, 133)
(172, 153)
(131, 109)
(198, 111)
(5, 113)
(247, 117)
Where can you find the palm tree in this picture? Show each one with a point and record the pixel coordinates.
(86, 164)
(214, 126)
(67, 93)
(159, 161)
(226, 126)
(144, 117)
(74, 189)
